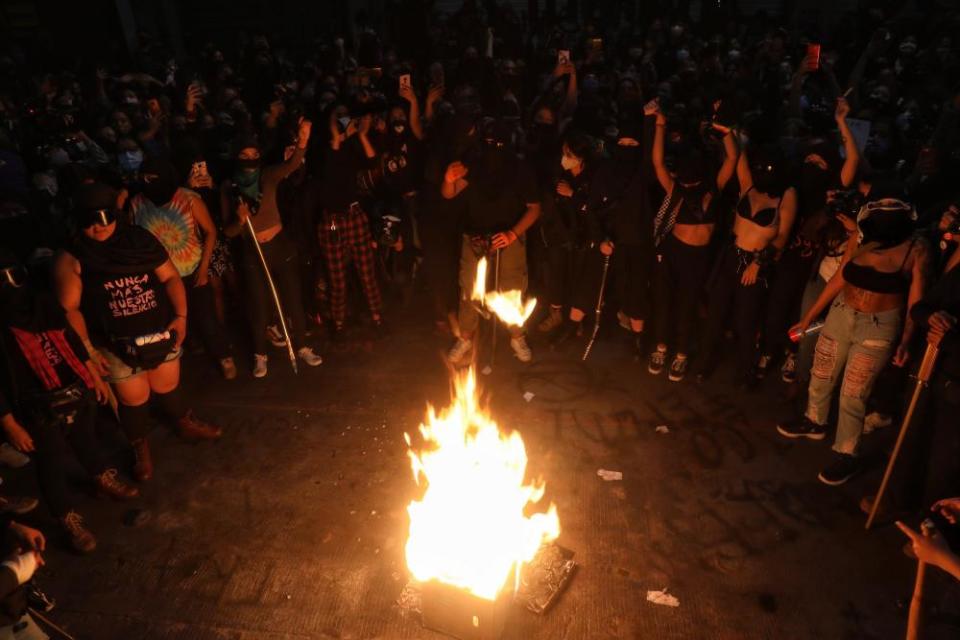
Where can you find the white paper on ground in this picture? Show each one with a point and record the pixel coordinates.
(487, 370)
(662, 597)
(662, 428)
(528, 396)
(608, 475)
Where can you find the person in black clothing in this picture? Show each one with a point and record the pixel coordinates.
(585, 196)
(124, 298)
(762, 222)
(820, 172)
(931, 468)
(682, 233)
(345, 228)
(52, 387)
(23, 547)
(500, 202)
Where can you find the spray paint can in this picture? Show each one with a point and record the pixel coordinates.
(812, 330)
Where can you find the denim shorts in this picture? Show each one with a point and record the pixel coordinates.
(118, 370)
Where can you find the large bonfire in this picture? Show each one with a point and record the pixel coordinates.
(470, 528)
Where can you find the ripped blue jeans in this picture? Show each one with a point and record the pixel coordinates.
(857, 346)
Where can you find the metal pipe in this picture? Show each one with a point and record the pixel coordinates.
(924, 374)
(273, 292)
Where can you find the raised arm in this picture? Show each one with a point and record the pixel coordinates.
(744, 177)
(731, 155)
(849, 171)
(659, 167)
(416, 127)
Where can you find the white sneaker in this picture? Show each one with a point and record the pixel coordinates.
(309, 357)
(259, 365)
(460, 350)
(521, 349)
(275, 336)
(12, 458)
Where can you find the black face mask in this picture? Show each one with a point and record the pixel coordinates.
(159, 188)
(813, 186)
(626, 154)
(248, 165)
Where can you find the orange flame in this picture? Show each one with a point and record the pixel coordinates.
(469, 529)
(507, 305)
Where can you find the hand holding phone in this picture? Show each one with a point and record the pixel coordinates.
(563, 57)
(405, 82)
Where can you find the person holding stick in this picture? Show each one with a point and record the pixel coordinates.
(501, 201)
(253, 194)
(930, 465)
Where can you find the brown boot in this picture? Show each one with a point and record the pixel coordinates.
(193, 428)
(109, 484)
(80, 537)
(142, 461)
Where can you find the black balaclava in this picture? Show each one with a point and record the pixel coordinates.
(159, 180)
(22, 306)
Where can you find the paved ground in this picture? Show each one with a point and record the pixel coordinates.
(293, 526)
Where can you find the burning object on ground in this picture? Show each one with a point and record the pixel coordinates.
(472, 531)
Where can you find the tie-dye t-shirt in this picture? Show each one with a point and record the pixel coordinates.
(175, 226)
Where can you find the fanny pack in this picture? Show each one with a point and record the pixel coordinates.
(62, 403)
(146, 351)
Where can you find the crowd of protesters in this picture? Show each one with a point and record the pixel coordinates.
(719, 177)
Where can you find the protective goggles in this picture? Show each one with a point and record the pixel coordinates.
(15, 276)
(101, 217)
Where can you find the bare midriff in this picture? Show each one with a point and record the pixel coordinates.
(870, 301)
(696, 235)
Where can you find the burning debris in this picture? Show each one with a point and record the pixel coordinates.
(506, 305)
(471, 541)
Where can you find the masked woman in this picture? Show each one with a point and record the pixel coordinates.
(869, 321)
(124, 298)
(253, 194)
(763, 217)
(682, 231)
(50, 396)
(179, 219)
(585, 196)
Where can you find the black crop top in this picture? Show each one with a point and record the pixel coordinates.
(768, 217)
(871, 279)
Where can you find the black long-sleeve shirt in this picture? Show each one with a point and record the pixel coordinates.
(943, 296)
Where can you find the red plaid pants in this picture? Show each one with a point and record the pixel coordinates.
(345, 237)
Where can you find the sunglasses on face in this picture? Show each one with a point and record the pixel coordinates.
(98, 217)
